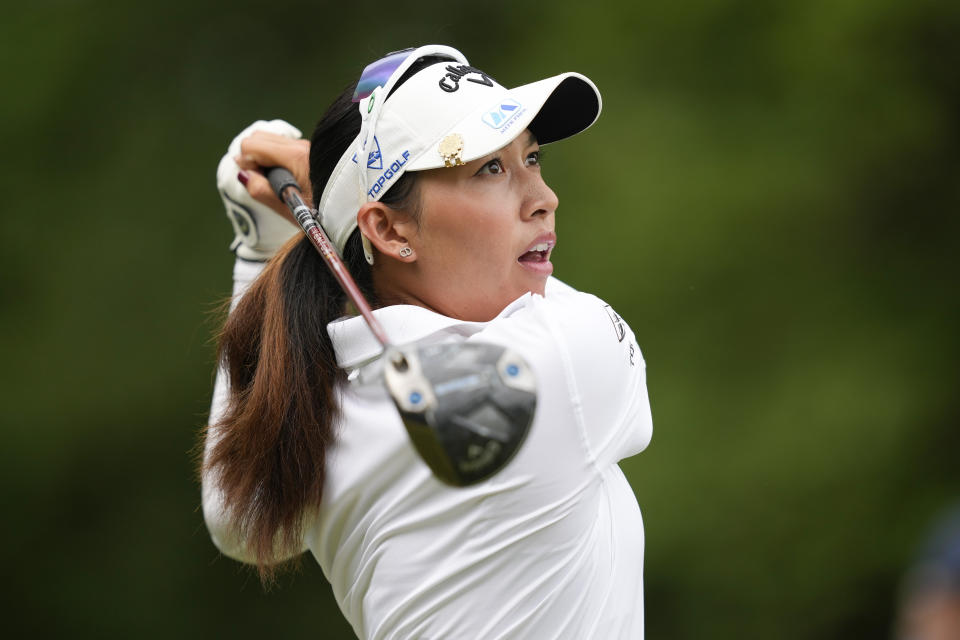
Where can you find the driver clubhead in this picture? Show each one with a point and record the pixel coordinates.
(467, 407)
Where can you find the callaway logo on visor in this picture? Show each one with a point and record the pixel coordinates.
(451, 81)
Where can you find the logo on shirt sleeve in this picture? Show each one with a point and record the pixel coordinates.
(621, 332)
(617, 322)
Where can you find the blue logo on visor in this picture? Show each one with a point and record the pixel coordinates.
(503, 113)
(374, 160)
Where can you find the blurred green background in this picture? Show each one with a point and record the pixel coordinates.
(770, 198)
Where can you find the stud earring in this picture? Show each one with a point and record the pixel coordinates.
(405, 252)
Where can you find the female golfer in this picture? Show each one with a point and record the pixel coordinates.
(427, 179)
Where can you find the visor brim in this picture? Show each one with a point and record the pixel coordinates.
(553, 109)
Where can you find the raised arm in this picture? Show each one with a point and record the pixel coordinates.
(261, 226)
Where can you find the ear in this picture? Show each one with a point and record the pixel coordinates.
(386, 228)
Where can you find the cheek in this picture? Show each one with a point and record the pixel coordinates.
(467, 236)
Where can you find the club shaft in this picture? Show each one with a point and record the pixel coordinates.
(304, 216)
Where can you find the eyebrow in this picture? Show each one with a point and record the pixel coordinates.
(532, 139)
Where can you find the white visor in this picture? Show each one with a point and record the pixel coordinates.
(446, 114)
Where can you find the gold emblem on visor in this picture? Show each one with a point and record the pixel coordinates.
(450, 149)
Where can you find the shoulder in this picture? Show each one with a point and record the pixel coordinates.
(587, 363)
(567, 330)
(567, 315)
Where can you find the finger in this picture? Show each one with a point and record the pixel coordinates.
(247, 163)
(265, 146)
(270, 135)
(260, 190)
(263, 149)
(269, 150)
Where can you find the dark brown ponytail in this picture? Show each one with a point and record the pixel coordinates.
(269, 456)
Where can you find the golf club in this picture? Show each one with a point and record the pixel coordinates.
(467, 407)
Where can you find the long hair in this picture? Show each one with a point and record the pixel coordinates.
(269, 451)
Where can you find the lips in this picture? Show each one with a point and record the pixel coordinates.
(537, 255)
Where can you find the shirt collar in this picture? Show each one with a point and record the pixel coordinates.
(354, 342)
(355, 345)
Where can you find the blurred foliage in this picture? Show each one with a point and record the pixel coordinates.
(770, 199)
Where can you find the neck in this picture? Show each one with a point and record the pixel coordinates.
(391, 282)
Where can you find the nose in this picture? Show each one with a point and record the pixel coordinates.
(540, 198)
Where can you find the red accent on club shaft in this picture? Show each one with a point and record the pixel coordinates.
(319, 239)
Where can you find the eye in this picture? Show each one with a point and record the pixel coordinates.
(493, 168)
(534, 158)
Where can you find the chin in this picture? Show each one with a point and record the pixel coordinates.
(534, 280)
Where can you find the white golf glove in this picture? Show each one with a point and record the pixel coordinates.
(259, 230)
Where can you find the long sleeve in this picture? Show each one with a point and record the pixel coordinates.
(590, 368)
(606, 373)
(218, 522)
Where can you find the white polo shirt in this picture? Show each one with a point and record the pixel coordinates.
(549, 547)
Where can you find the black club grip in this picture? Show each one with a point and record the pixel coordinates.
(280, 179)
